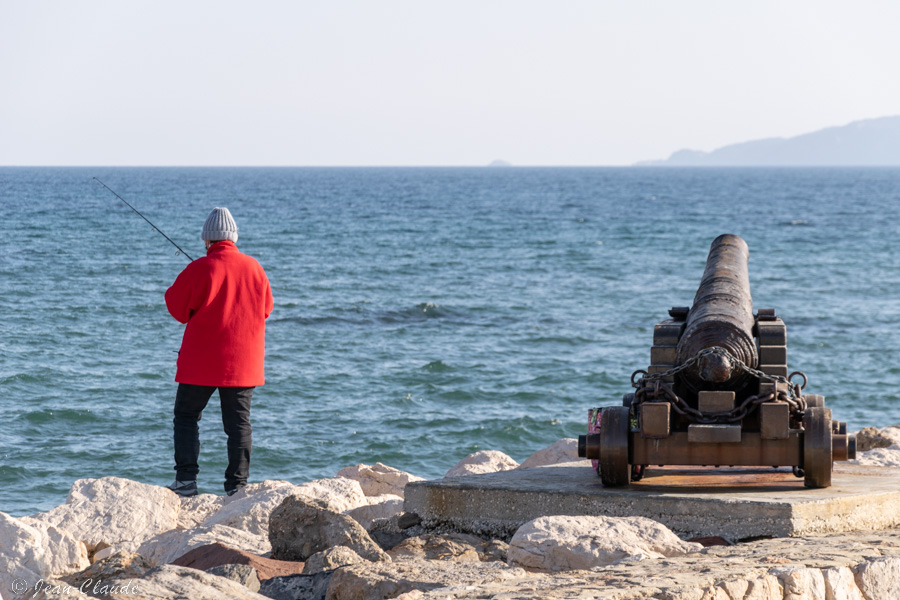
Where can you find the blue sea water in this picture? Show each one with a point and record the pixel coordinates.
(421, 314)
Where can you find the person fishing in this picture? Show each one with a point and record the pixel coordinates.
(224, 298)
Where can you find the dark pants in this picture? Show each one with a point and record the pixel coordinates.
(190, 400)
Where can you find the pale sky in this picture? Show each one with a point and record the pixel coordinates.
(88, 82)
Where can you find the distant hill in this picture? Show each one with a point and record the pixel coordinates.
(872, 142)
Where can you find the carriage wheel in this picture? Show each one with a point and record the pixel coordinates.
(614, 426)
(817, 457)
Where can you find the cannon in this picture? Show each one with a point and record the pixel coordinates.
(718, 392)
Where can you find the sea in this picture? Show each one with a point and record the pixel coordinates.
(421, 314)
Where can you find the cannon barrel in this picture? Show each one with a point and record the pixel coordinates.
(722, 315)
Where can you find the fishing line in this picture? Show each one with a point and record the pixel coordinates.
(180, 251)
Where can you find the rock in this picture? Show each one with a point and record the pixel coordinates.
(379, 479)
(108, 551)
(878, 447)
(32, 550)
(840, 584)
(331, 559)
(765, 587)
(879, 577)
(115, 511)
(166, 547)
(380, 507)
(387, 534)
(338, 493)
(297, 587)
(870, 438)
(171, 582)
(495, 550)
(213, 555)
(458, 547)
(299, 528)
(880, 457)
(197, 509)
(563, 543)
(249, 508)
(65, 554)
(561, 451)
(484, 461)
(243, 574)
(841, 566)
(376, 581)
(407, 520)
(800, 582)
(123, 565)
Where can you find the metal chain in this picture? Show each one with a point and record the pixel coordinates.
(648, 392)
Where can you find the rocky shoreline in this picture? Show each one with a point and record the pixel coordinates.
(348, 537)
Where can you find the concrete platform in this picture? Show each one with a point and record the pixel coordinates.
(734, 503)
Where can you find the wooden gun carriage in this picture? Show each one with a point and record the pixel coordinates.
(718, 392)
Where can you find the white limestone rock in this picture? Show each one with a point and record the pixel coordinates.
(375, 581)
(879, 578)
(197, 509)
(878, 447)
(32, 550)
(766, 587)
(561, 451)
(880, 457)
(379, 479)
(170, 582)
(840, 583)
(800, 582)
(379, 507)
(339, 494)
(166, 547)
(65, 554)
(483, 461)
(114, 510)
(564, 543)
(249, 508)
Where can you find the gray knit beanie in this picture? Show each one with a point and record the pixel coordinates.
(219, 226)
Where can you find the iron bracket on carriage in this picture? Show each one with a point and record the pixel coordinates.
(718, 392)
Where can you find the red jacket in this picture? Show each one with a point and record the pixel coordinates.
(225, 298)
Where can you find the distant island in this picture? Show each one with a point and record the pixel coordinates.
(499, 163)
(871, 142)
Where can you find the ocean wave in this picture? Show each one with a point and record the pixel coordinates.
(423, 311)
(42, 376)
(438, 366)
(57, 416)
(359, 316)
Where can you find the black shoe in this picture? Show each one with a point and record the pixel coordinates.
(234, 490)
(184, 488)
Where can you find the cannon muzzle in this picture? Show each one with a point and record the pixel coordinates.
(722, 315)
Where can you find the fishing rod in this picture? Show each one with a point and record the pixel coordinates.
(146, 219)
